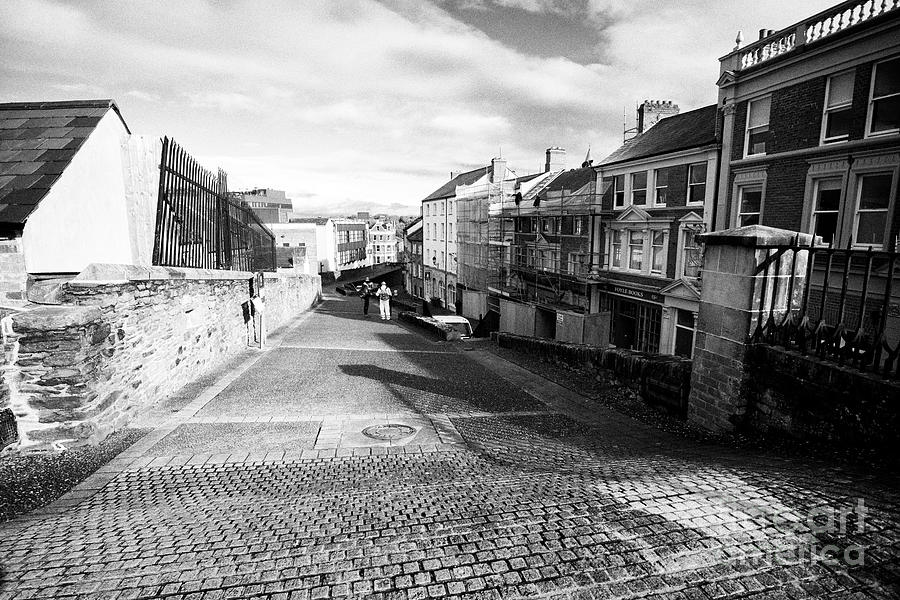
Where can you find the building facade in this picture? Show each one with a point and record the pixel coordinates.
(439, 248)
(382, 242)
(657, 194)
(811, 128)
(270, 206)
(412, 259)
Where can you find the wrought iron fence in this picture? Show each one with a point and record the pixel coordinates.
(9, 433)
(838, 304)
(199, 226)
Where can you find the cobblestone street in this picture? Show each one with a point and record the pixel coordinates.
(263, 486)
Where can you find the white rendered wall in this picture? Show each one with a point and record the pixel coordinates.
(140, 161)
(83, 219)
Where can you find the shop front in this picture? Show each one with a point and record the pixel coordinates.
(635, 316)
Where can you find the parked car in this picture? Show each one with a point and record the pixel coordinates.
(460, 324)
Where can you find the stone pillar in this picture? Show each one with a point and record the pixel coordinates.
(52, 394)
(13, 276)
(729, 305)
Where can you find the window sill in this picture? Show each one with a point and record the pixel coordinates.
(882, 134)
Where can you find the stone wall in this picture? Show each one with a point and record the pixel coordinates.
(88, 366)
(662, 379)
(804, 397)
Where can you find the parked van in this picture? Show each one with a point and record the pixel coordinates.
(460, 324)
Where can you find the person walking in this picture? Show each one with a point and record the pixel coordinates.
(384, 296)
(366, 291)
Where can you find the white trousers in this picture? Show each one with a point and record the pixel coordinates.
(385, 306)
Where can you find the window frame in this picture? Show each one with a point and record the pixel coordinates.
(617, 191)
(663, 252)
(887, 210)
(816, 182)
(657, 187)
(740, 202)
(689, 233)
(823, 140)
(691, 186)
(750, 104)
(871, 102)
(631, 247)
(631, 177)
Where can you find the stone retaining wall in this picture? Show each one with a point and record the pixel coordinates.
(804, 397)
(662, 379)
(443, 331)
(86, 367)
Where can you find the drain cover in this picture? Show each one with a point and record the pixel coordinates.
(391, 431)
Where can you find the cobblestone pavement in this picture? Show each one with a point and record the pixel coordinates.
(507, 486)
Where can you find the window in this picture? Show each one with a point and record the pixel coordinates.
(450, 230)
(442, 232)
(690, 264)
(757, 134)
(827, 198)
(873, 198)
(696, 183)
(884, 102)
(635, 250)
(838, 98)
(579, 223)
(450, 207)
(619, 191)
(639, 188)
(548, 225)
(750, 198)
(286, 245)
(657, 252)
(576, 263)
(616, 249)
(684, 333)
(661, 177)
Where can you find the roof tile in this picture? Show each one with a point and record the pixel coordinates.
(692, 129)
(37, 142)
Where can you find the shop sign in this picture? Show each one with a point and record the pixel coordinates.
(559, 319)
(622, 290)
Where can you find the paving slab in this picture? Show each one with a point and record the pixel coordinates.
(263, 486)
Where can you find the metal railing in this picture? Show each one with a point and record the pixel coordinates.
(199, 226)
(838, 304)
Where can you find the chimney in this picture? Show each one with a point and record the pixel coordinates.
(764, 33)
(650, 112)
(454, 174)
(498, 170)
(556, 159)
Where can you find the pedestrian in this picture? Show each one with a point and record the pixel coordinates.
(366, 291)
(384, 297)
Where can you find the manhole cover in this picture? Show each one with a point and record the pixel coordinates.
(391, 431)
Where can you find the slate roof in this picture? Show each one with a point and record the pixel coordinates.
(571, 180)
(415, 236)
(693, 129)
(37, 143)
(449, 188)
(316, 220)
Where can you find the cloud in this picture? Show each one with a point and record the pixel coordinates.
(375, 102)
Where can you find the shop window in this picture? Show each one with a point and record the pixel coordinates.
(619, 191)
(639, 188)
(838, 100)
(696, 183)
(826, 209)
(756, 137)
(691, 259)
(657, 252)
(660, 186)
(750, 199)
(636, 250)
(616, 249)
(873, 199)
(684, 333)
(884, 99)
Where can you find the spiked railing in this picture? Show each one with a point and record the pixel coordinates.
(837, 304)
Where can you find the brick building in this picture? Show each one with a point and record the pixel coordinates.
(657, 194)
(811, 128)
(271, 206)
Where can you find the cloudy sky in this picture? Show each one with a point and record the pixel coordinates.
(368, 105)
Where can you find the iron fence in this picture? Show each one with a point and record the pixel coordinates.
(199, 226)
(838, 304)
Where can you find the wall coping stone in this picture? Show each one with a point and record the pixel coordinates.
(104, 273)
(56, 317)
(754, 235)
